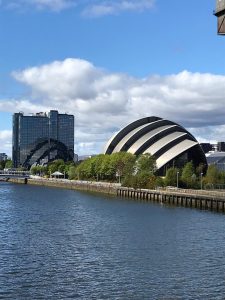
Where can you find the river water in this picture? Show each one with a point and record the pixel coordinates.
(62, 244)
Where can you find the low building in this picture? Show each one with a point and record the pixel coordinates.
(85, 157)
(221, 146)
(216, 147)
(206, 147)
(75, 157)
(216, 158)
(3, 156)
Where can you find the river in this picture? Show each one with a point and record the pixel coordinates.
(63, 244)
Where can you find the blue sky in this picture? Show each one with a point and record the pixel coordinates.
(110, 62)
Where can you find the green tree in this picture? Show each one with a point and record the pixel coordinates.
(72, 173)
(68, 165)
(212, 176)
(201, 168)
(2, 165)
(98, 159)
(172, 174)
(43, 170)
(121, 164)
(83, 170)
(54, 166)
(106, 170)
(9, 164)
(152, 182)
(222, 177)
(140, 180)
(33, 170)
(159, 182)
(61, 168)
(188, 176)
(106, 167)
(39, 170)
(146, 163)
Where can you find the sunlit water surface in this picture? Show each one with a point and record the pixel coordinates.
(62, 244)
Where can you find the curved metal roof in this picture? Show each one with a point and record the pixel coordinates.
(162, 138)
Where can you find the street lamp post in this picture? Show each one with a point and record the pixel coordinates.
(201, 180)
(118, 175)
(177, 179)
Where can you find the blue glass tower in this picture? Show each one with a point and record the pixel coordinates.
(42, 138)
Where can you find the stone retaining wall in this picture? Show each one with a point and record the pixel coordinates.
(100, 187)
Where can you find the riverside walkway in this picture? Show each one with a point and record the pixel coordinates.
(203, 199)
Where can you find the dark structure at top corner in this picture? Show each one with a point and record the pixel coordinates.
(220, 14)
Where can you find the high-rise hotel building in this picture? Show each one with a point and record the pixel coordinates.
(42, 137)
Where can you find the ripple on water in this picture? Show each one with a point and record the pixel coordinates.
(62, 244)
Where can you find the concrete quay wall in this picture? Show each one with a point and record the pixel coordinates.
(99, 187)
(208, 200)
(16, 180)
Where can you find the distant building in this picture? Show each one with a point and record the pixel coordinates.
(215, 154)
(221, 146)
(3, 156)
(85, 157)
(217, 147)
(75, 157)
(217, 159)
(206, 147)
(41, 137)
(220, 14)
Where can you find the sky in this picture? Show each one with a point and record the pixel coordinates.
(111, 62)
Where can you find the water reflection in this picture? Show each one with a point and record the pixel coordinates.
(63, 244)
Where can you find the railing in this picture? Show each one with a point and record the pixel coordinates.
(10, 173)
(220, 193)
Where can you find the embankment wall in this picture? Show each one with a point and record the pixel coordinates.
(100, 187)
(210, 200)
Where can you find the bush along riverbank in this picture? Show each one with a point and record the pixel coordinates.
(135, 171)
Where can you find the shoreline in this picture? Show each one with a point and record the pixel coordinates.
(90, 186)
(203, 199)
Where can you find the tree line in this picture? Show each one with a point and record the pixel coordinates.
(133, 171)
(5, 164)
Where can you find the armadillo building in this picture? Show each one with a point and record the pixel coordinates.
(171, 144)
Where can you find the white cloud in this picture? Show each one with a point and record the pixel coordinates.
(209, 134)
(104, 102)
(94, 8)
(53, 5)
(22, 105)
(6, 141)
(102, 8)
